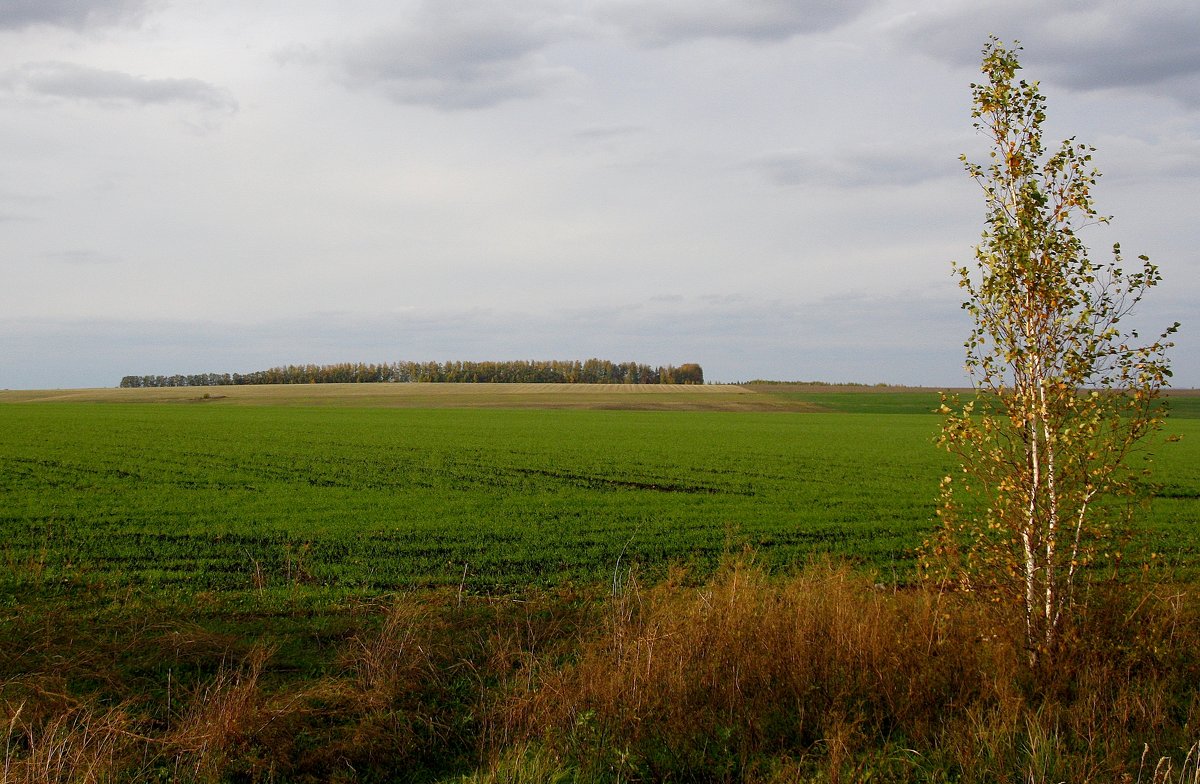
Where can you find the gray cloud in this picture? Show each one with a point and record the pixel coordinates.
(471, 54)
(68, 81)
(659, 22)
(76, 14)
(853, 168)
(1136, 159)
(631, 179)
(1082, 46)
(460, 54)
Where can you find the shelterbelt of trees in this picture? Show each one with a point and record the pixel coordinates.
(591, 371)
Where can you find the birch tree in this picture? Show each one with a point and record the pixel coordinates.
(1063, 391)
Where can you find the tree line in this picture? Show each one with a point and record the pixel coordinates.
(591, 371)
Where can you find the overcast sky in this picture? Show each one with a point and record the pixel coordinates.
(770, 188)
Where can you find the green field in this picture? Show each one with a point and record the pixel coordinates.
(296, 494)
(416, 583)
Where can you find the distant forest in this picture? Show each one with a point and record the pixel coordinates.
(592, 371)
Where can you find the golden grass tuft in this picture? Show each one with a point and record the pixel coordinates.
(711, 678)
(223, 714)
(848, 680)
(397, 659)
(78, 743)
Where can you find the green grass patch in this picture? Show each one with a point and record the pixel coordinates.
(1184, 406)
(281, 502)
(206, 498)
(915, 402)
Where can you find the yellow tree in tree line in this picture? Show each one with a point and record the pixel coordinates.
(1063, 390)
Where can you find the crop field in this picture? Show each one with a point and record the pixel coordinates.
(652, 397)
(268, 496)
(464, 583)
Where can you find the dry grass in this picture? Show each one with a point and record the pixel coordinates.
(1188, 773)
(705, 681)
(819, 677)
(51, 741)
(849, 680)
(223, 714)
(382, 702)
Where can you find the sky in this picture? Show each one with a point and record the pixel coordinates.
(770, 188)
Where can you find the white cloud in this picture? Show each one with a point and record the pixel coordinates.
(642, 179)
(878, 165)
(81, 257)
(604, 133)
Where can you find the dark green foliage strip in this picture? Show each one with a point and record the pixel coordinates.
(592, 371)
(347, 501)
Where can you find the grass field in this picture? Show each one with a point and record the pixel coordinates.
(461, 583)
(343, 491)
(208, 498)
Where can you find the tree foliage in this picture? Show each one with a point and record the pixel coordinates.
(1064, 391)
(591, 371)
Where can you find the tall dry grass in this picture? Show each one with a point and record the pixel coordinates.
(223, 715)
(818, 676)
(67, 741)
(382, 703)
(826, 676)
